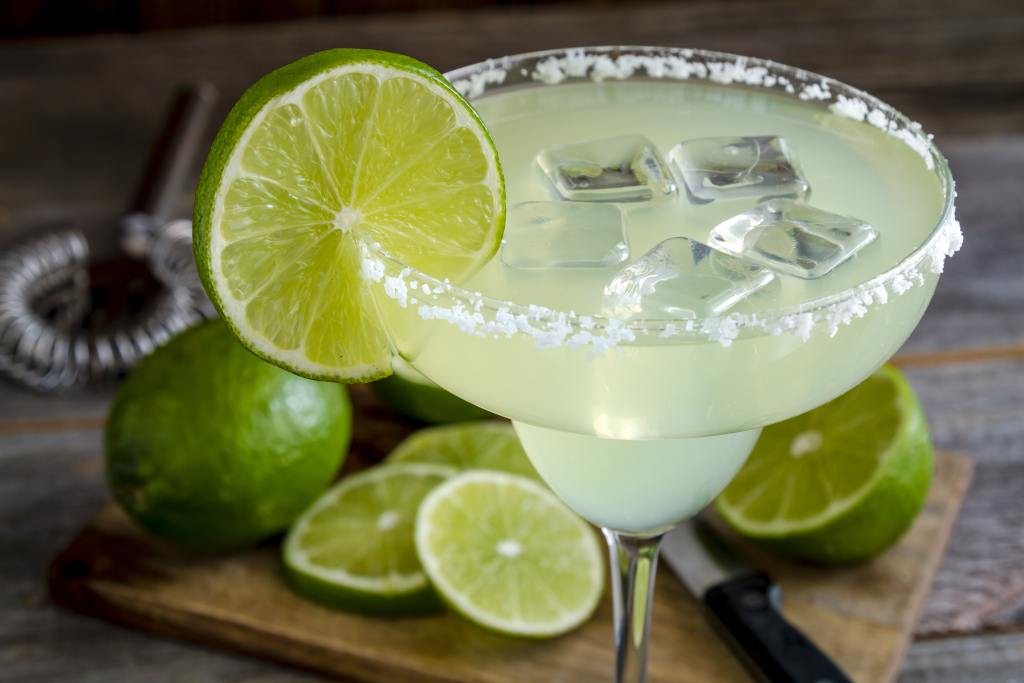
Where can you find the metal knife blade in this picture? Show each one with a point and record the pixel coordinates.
(699, 557)
(743, 606)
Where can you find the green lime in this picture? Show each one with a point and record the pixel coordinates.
(211, 448)
(840, 483)
(488, 445)
(507, 554)
(353, 549)
(340, 147)
(415, 396)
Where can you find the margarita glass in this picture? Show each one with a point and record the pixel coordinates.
(637, 422)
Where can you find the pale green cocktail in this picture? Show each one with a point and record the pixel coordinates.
(651, 389)
(638, 421)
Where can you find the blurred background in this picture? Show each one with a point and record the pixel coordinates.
(53, 17)
(85, 87)
(87, 83)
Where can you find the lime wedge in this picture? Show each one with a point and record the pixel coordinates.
(487, 445)
(507, 554)
(353, 548)
(415, 396)
(840, 483)
(340, 147)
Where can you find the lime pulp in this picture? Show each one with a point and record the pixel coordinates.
(507, 554)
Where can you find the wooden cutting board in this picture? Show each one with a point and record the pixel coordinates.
(864, 616)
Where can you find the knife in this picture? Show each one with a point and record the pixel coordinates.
(743, 606)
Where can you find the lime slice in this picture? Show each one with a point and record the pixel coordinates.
(840, 483)
(508, 555)
(415, 396)
(487, 445)
(340, 147)
(353, 548)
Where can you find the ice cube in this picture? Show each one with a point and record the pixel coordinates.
(793, 238)
(564, 235)
(738, 167)
(620, 169)
(682, 278)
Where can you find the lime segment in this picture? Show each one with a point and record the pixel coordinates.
(353, 549)
(340, 147)
(508, 555)
(487, 445)
(840, 483)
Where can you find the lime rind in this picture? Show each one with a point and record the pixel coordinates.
(346, 312)
(493, 580)
(416, 601)
(396, 592)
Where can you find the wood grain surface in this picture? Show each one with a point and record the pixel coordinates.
(863, 616)
(76, 118)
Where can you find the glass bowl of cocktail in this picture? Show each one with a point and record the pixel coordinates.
(639, 341)
(696, 245)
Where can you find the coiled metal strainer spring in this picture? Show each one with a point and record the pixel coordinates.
(45, 292)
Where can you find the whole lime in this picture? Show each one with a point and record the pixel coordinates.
(213, 449)
(415, 396)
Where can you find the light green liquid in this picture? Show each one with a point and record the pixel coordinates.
(635, 485)
(854, 169)
(652, 395)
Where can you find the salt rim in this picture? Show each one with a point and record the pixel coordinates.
(550, 328)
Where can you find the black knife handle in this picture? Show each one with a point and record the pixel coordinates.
(746, 610)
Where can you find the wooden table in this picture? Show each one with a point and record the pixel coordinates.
(76, 118)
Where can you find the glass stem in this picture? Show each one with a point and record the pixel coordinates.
(634, 562)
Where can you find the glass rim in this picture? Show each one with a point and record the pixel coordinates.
(578, 65)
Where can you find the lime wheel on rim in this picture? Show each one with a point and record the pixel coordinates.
(340, 146)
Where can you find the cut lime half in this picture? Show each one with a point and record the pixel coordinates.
(508, 555)
(840, 483)
(353, 548)
(341, 147)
